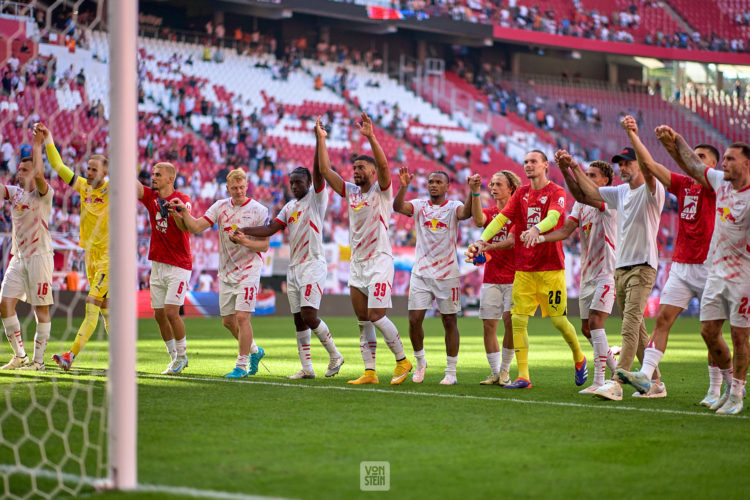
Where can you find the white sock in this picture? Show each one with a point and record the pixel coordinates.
(611, 361)
(181, 347)
(253, 348)
(242, 361)
(303, 348)
(450, 365)
(392, 339)
(368, 343)
(493, 358)
(324, 335)
(40, 341)
(737, 387)
(13, 334)
(421, 361)
(651, 358)
(727, 375)
(601, 347)
(507, 358)
(714, 379)
(171, 348)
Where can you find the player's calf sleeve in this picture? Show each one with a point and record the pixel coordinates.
(368, 343)
(390, 333)
(568, 332)
(87, 328)
(303, 349)
(13, 334)
(324, 335)
(521, 344)
(40, 341)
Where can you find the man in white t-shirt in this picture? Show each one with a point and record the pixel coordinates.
(369, 201)
(435, 274)
(304, 218)
(727, 292)
(639, 202)
(240, 262)
(29, 273)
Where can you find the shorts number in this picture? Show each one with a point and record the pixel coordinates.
(456, 293)
(249, 293)
(179, 288)
(101, 279)
(308, 291)
(606, 291)
(743, 305)
(42, 289)
(554, 297)
(379, 290)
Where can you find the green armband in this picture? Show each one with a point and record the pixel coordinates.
(549, 222)
(494, 227)
(56, 163)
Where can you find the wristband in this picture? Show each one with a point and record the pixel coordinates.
(475, 194)
(541, 239)
(538, 228)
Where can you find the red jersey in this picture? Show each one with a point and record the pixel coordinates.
(696, 206)
(500, 267)
(169, 245)
(528, 207)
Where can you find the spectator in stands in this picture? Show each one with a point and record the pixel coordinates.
(6, 156)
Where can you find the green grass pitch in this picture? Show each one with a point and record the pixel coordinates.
(305, 439)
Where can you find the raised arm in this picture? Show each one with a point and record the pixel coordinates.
(318, 181)
(381, 163)
(324, 164)
(567, 166)
(399, 204)
(55, 161)
(683, 155)
(465, 212)
(273, 227)
(38, 164)
(651, 170)
(475, 184)
(184, 218)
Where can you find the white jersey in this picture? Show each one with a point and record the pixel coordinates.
(30, 212)
(369, 215)
(729, 255)
(236, 262)
(304, 219)
(437, 234)
(598, 236)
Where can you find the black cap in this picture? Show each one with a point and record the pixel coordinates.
(627, 154)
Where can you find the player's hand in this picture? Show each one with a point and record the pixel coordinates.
(530, 237)
(176, 205)
(629, 124)
(239, 238)
(39, 127)
(474, 256)
(365, 128)
(475, 183)
(38, 137)
(564, 160)
(320, 132)
(404, 176)
(666, 136)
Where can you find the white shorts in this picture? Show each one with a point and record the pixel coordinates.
(374, 278)
(726, 300)
(685, 281)
(495, 299)
(447, 293)
(169, 284)
(304, 285)
(235, 297)
(29, 280)
(596, 295)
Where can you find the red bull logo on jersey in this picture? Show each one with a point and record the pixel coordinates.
(230, 229)
(294, 218)
(726, 215)
(435, 225)
(587, 228)
(21, 207)
(357, 206)
(94, 199)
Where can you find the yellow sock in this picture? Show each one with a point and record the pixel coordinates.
(521, 344)
(569, 334)
(87, 328)
(105, 315)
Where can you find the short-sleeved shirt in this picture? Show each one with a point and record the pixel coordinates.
(304, 219)
(30, 212)
(598, 235)
(696, 205)
(369, 215)
(169, 245)
(638, 217)
(729, 255)
(501, 265)
(528, 207)
(94, 215)
(236, 262)
(437, 234)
